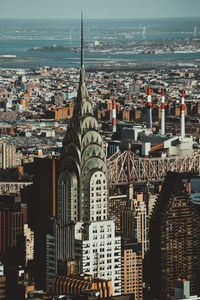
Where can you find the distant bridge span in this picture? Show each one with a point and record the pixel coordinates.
(126, 167)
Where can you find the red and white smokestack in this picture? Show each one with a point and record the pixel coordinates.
(114, 123)
(163, 113)
(149, 112)
(183, 114)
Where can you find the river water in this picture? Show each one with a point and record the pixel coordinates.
(195, 184)
(17, 36)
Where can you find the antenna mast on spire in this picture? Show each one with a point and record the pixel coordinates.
(82, 71)
(82, 42)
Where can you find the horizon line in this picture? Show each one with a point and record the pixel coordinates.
(99, 18)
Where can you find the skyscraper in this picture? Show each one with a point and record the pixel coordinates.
(13, 216)
(83, 180)
(134, 221)
(41, 208)
(174, 240)
(82, 199)
(132, 273)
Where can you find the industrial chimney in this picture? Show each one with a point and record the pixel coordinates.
(149, 112)
(114, 116)
(163, 113)
(183, 114)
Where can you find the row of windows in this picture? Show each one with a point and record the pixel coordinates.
(96, 244)
(99, 218)
(98, 188)
(98, 200)
(97, 206)
(102, 236)
(102, 268)
(98, 210)
(102, 229)
(101, 256)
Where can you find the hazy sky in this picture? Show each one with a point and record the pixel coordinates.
(99, 8)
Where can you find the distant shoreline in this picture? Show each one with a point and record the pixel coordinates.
(99, 19)
(16, 59)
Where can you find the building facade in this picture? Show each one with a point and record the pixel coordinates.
(42, 208)
(9, 157)
(99, 251)
(174, 240)
(134, 221)
(13, 216)
(2, 282)
(132, 268)
(29, 243)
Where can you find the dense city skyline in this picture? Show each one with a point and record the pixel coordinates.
(99, 9)
(99, 165)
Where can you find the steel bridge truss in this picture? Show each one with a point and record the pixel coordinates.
(127, 167)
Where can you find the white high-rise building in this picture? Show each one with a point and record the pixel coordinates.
(99, 251)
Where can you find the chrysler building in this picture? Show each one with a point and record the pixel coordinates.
(83, 192)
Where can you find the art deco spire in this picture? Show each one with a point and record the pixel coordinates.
(83, 153)
(82, 90)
